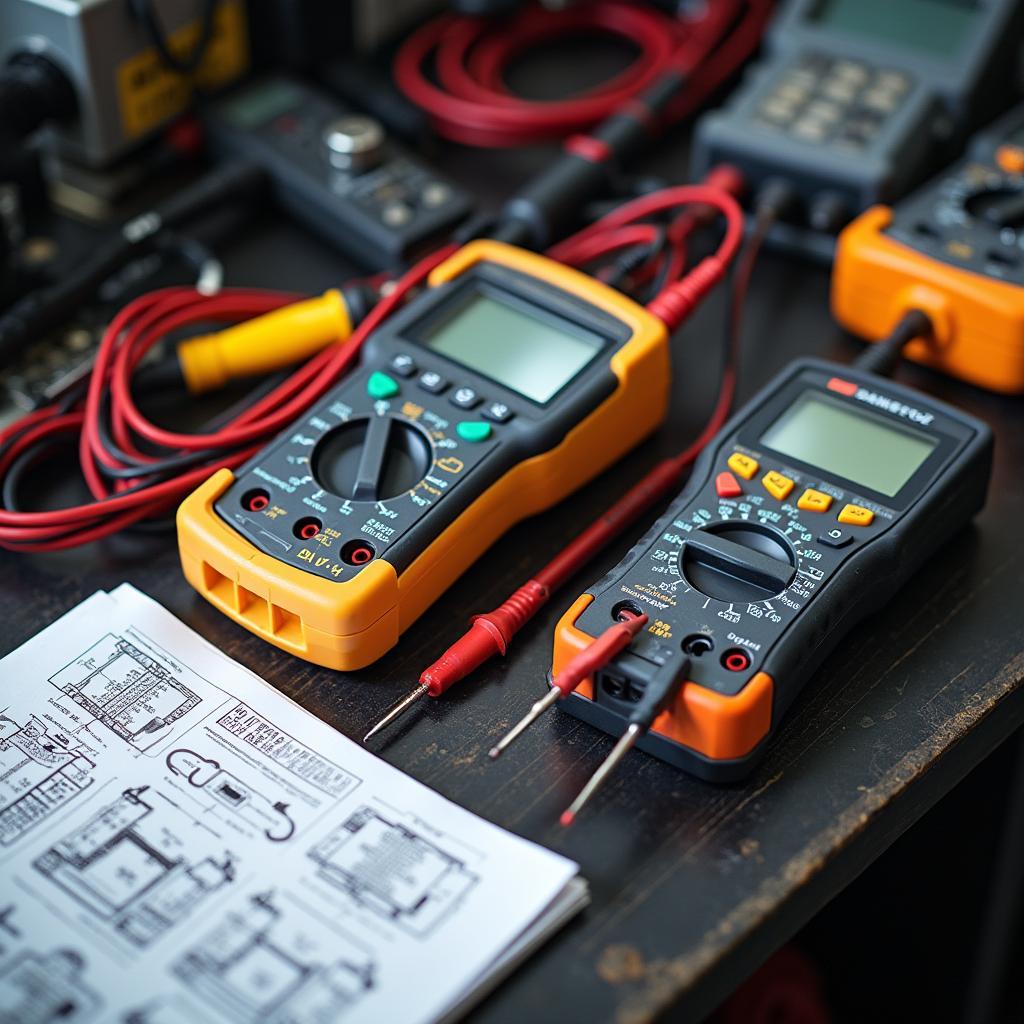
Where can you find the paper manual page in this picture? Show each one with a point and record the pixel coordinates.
(182, 844)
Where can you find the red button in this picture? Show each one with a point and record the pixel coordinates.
(727, 487)
(844, 387)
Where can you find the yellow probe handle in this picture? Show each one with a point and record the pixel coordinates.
(265, 343)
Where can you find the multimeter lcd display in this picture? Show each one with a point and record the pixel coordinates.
(533, 356)
(860, 446)
(935, 26)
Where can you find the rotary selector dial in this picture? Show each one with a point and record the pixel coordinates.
(372, 458)
(737, 561)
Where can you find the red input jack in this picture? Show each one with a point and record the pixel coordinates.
(357, 552)
(255, 501)
(736, 660)
(308, 528)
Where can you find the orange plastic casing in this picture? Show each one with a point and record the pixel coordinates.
(978, 321)
(718, 727)
(349, 624)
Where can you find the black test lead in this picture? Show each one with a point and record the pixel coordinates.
(659, 694)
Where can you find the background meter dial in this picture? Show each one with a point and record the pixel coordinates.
(738, 561)
(1001, 205)
(372, 458)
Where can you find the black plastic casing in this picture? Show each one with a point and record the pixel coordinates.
(856, 580)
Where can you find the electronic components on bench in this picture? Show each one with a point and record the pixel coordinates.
(856, 99)
(337, 170)
(954, 249)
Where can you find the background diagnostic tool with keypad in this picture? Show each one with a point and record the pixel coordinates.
(807, 513)
(506, 385)
(854, 103)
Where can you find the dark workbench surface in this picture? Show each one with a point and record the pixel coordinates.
(693, 885)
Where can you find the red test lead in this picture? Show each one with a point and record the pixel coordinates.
(615, 639)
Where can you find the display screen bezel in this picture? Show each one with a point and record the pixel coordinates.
(749, 437)
(559, 310)
(812, 397)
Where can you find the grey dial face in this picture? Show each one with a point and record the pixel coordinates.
(737, 561)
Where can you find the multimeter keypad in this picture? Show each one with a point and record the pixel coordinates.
(834, 102)
(404, 365)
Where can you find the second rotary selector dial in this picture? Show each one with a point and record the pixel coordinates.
(737, 561)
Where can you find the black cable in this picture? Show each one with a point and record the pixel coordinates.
(882, 357)
(47, 308)
(147, 17)
(33, 90)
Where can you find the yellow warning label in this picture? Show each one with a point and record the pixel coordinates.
(150, 92)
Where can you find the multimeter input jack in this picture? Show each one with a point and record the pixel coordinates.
(255, 500)
(736, 659)
(697, 644)
(307, 528)
(357, 552)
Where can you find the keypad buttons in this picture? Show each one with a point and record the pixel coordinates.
(497, 412)
(743, 465)
(856, 515)
(836, 538)
(464, 398)
(814, 501)
(727, 486)
(777, 485)
(473, 430)
(404, 365)
(380, 386)
(433, 382)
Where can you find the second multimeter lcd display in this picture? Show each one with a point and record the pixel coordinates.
(936, 26)
(532, 356)
(858, 446)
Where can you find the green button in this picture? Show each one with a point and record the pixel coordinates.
(473, 430)
(380, 385)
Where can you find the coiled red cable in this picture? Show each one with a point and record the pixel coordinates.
(109, 416)
(469, 102)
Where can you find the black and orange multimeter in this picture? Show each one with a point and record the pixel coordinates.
(809, 510)
(954, 250)
(503, 387)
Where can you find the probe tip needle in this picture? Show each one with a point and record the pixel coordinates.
(397, 710)
(624, 745)
(525, 722)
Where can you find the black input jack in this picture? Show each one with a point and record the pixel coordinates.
(697, 644)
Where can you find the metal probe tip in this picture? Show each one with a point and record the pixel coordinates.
(398, 709)
(610, 763)
(525, 722)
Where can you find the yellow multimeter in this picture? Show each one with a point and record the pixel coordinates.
(507, 384)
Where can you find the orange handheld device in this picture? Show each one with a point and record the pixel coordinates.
(814, 504)
(507, 384)
(954, 250)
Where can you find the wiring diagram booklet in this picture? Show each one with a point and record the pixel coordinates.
(180, 843)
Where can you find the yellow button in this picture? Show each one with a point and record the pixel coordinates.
(777, 485)
(1011, 159)
(744, 465)
(854, 515)
(814, 501)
